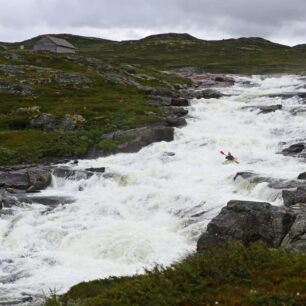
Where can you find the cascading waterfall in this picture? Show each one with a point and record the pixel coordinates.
(150, 207)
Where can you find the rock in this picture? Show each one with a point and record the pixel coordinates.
(176, 121)
(273, 183)
(287, 95)
(17, 200)
(248, 222)
(28, 110)
(49, 122)
(71, 78)
(293, 149)
(269, 108)
(72, 174)
(292, 197)
(296, 237)
(36, 178)
(179, 102)
(7, 87)
(163, 92)
(224, 79)
(302, 176)
(179, 111)
(137, 139)
(160, 101)
(208, 94)
(97, 170)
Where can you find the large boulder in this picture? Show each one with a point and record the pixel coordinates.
(248, 222)
(179, 102)
(72, 174)
(176, 121)
(273, 183)
(292, 197)
(30, 179)
(49, 122)
(294, 149)
(296, 237)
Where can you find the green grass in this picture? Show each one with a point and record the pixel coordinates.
(106, 105)
(227, 275)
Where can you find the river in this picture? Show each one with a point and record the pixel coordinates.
(150, 207)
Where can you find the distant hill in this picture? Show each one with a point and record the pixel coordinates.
(246, 55)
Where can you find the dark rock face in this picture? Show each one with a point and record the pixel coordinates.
(49, 122)
(294, 149)
(248, 222)
(69, 173)
(273, 183)
(294, 197)
(179, 111)
(179, 102)
(270, 108)
(288, 95)
(296, 237)
(96, 170)
(302, 176)
(24, 179)
(176, 121)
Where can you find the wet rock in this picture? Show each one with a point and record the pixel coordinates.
(273, 183)
(292, 197)
(96, 170)
(49, 122)
(296, 237)
(269, 108)
(19, 199)
(179, 111)
(37, 178)
(302, 176)
(293, 149)
(69, 173)
(176, 121)
(287, 95)
(136, 140)
(248, 222)
(179, 102)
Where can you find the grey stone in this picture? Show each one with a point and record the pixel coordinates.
(248, 222)
(292, 197)
(179, 102)
(294, 149)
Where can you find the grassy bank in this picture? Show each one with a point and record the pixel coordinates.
(108, 97)
(227, 275)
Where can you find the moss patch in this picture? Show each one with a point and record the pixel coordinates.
(227, 275)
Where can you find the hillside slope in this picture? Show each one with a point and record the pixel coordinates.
(169, 51)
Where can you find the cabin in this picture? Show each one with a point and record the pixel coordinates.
(54, 44)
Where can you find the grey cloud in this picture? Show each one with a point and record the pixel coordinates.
(225, 18)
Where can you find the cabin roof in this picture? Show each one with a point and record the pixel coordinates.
(61, 42)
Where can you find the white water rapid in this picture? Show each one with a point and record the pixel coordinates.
(149, 207)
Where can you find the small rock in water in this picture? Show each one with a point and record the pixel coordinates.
(98, 170)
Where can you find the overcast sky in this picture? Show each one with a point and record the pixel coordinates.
(282, 21)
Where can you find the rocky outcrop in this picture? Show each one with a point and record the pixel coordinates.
(30, 179)
(73, 174)
(71, 79)
(8, 87)
(273, 183)
(176, 121)
(302, 176)
(179, 102)
(136, 139)
(248, 222)
(292, 197)
(49, 122)
(294, 149)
